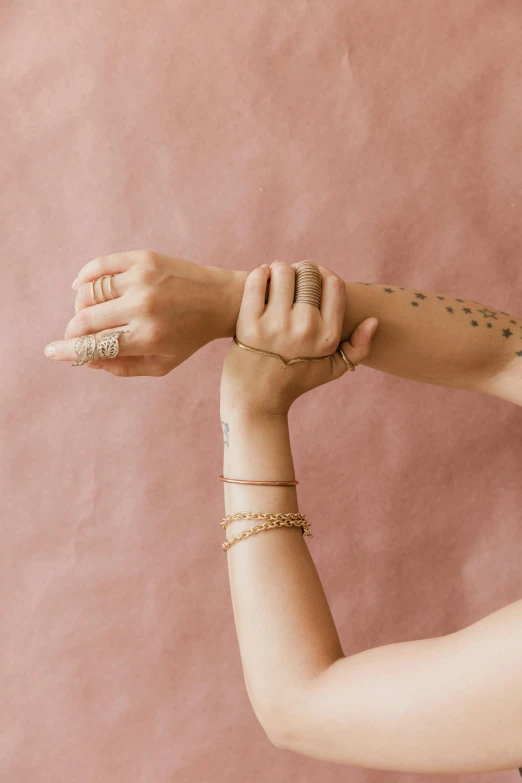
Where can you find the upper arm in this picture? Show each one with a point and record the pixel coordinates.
(451, 704)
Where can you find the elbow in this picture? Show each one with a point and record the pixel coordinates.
(279, 736)
(279, 726)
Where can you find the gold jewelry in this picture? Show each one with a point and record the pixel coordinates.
(109, 346)
(85, 347)
(110, 287)
(308, 284)
(276, 520)
(346, 360)
(260, 483)
(291, 515)
(284, 362)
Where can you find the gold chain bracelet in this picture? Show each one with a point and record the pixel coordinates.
(273, 520)
(293, 515)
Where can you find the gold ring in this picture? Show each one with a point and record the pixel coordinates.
(110, 287)
(308, 284)
(348, 363)
(109, 347)
(85, 347)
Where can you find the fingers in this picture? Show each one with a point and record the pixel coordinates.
(357, 348)
(99, 290)
(333, 300)
(254, 292)
(282, 286)
(107, 315)
(129, 344)
(131, 366)
(106, 265)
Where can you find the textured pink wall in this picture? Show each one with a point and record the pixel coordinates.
(381, 139)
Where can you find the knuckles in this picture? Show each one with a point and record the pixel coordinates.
(144, 275)
(146, 302)
(152, 333)
(145, 258)
(330, 342)
(337, 283)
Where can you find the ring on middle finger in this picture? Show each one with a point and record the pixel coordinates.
(93, 289)
(308, 283)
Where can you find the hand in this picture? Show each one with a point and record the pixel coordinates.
(170, 306)
(260, 384)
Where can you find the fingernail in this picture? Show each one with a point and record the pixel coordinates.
(50, 351)
(75, 284)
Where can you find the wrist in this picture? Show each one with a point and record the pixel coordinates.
(249, 415)
(229, 284)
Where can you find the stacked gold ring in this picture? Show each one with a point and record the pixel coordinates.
(308, 283)
(93, 291)
(101, 279)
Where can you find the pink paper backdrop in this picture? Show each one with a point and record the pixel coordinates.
(381, 139)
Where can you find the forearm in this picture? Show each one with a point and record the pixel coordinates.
(285, 630)
(428, 337)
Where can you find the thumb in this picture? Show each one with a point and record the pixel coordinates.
(357, 348)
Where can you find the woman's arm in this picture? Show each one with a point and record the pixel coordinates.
(440, 339)
(451, 704)
(285, 630)
(435, 338)
(172, 307)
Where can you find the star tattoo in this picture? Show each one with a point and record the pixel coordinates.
(519, 353)
(420, 296)
(440, 297)
(388, 290)
(459, 300)
(466, 310)
(449, 309)
(489, 325)
(415, 304)
(506, 332)
(488, 313)
(474, 323)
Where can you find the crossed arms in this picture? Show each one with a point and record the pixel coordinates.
(173, 307)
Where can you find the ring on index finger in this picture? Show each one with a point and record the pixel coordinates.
(86, 347)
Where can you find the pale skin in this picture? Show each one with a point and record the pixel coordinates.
(172, 307)
(451, 704)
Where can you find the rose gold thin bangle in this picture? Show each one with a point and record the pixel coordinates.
(260, 483)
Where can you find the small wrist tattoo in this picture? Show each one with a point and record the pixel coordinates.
(226, 430)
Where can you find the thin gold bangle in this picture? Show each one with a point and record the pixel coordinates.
(260, 483)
